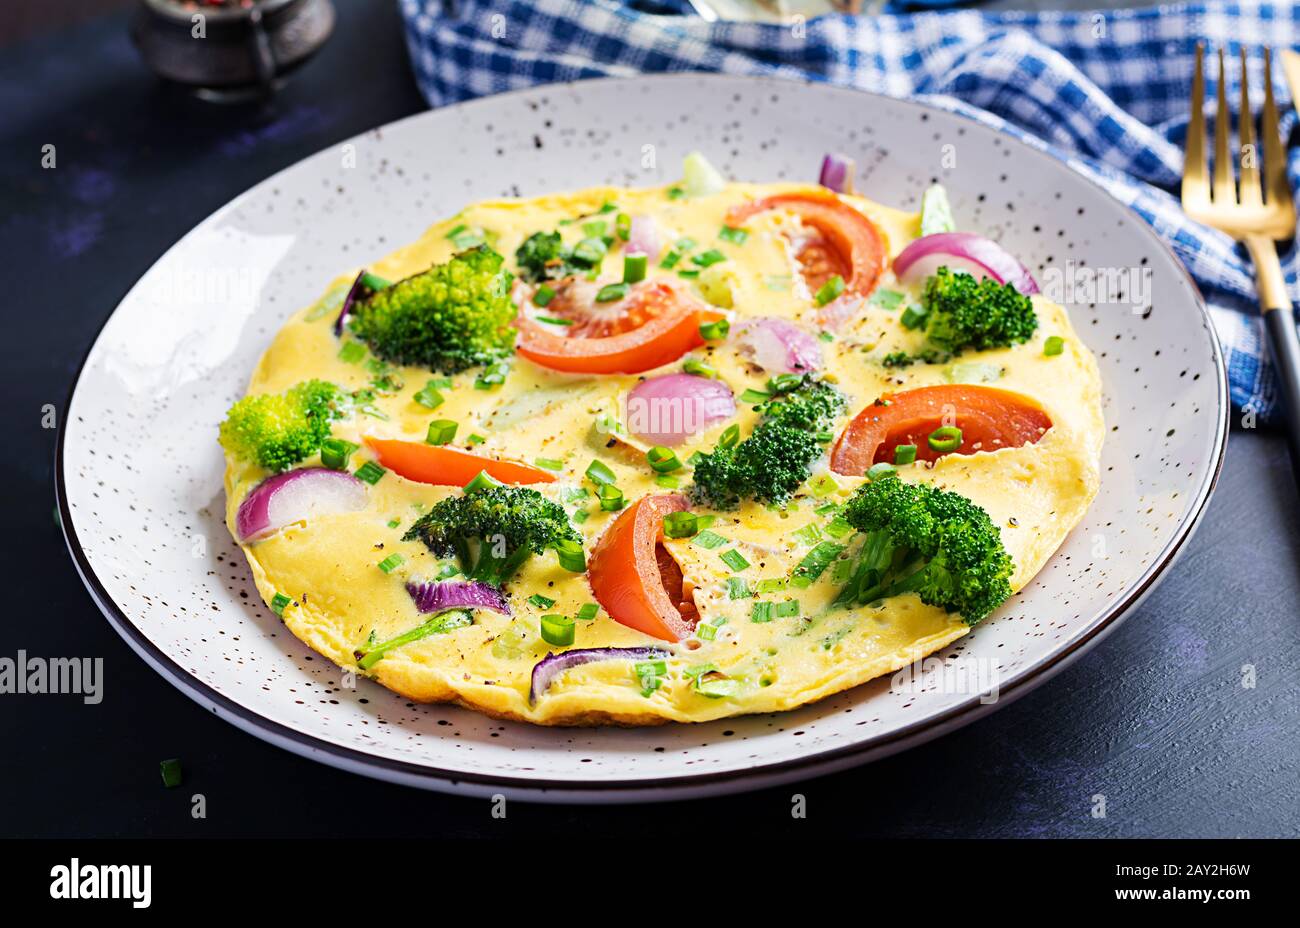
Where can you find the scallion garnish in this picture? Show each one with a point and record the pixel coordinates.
(680, 524)
(370, 472)
(945, 439)
(587, 611)
(816, 561)
(557, 630)
(549, 463)
(553, 320)
(540, 601)
(734, 559)
(278, 603)
(708, 258)
(543, 295)
(709, 539)
(762, 612)
(569, 554)
(623, 226)
(730, 435)
(429, 397)
(599, 473)
(830, 290)
(634, 268)
(712, 331)
(441, 431)
(754, 396)
(882, 469)
(912, 317)
(738, 588)
(611, 498)
(733, 235)
(904, 454)
(611, 292)
(668, 481)
(352, 352)
(663, 460)
(335, 452)
(482, 481)
(391, 563)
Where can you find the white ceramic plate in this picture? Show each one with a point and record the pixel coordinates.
(139, 469)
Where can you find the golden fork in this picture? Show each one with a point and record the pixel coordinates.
(1255, 217)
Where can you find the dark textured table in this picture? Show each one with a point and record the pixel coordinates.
(1156, 718)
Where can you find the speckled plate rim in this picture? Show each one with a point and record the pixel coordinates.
(672, 787)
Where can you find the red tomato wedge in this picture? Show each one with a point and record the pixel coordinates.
(848, 243)
(655, 324)
(633, 576)
(989, 419)
(449, 467)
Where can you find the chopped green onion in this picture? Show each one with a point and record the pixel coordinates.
(688, 275)
(334, 453)
(464, 237)
(650, 668)
(883, 469)
(370, 472)
(830, 290)
(717, 688)
(712, 331)
(623, 226)
(634, 267)
(730, 435)
(823, 485)
(540, 601)
(675, 193)
(374, 281)
(699, 368)
(887, 299)
(680, 524)
(595, 229)
(738, 588)
(838, 528)
(573, 494)
(557, 630)
(599, 473)
(708, 258)
(706, 632)
(754, 396)
(611, 292)
(649, 683)
(553, 320)
(278, 602)
(904, 454)
(441, 431)
(733, 235)
(391, 563)
(913, 317)
(945, 439)
(786, 609)
(709, 539)
(492, 376)
(429, 397)
(476, 439)
(549, 463)
(1053, 346)
(580, 515)
(734, 559)
(482, 481)
(670, 259)
(589, 252)
(762, 612)
(352, 352)
(545, 293)
(663, 460)
(611, 498)
(816, 561)
(393, 523)
(668, 481)
(771, 585)
(170, 770)
(588, 611)
(569, 554)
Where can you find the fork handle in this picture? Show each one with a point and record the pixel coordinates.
(1280, 324)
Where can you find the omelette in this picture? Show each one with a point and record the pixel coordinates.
(632, 456)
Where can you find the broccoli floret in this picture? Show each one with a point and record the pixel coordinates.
(451, 317)
(541, 257)
(779, 454)
(277, 430)
(802, 401)
(927, 541)
(492, 531)
(962, 312)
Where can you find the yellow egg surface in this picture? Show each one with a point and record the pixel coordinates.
(340, 600)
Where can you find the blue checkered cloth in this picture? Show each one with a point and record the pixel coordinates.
(1105, 92)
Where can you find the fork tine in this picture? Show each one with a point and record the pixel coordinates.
(1196, 176)
(1225, 190)
(1274, 155)
(1250, 154)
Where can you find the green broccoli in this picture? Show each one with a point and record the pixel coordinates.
(277, 430)
(493, 530)
(779, 454)
(962, 312)
(541, 257)
(919, 539)
(449, 318)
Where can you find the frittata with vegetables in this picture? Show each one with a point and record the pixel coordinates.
(630, 456)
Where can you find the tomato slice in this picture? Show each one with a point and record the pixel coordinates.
(847, 243)
(655, 324)
(449, 467)
(633, 576)
(989, 419)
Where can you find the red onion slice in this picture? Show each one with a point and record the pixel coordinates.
(837, 173)
(354, 294)
(439, 595)
(295, 496)
(643, 237)
(552, 665)
(779, 346)
(962, 251)
(670, 409)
